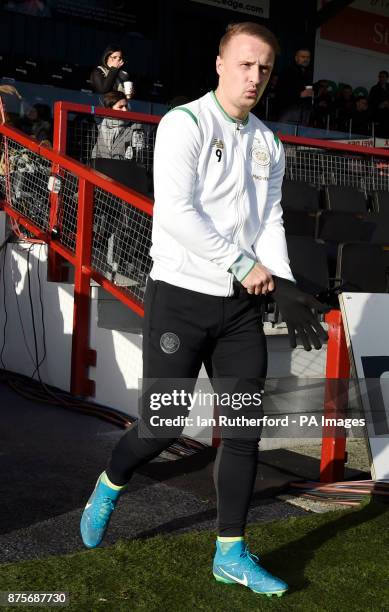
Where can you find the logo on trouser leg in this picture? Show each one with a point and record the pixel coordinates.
(169, 342)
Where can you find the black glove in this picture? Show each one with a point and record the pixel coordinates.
(296, 309)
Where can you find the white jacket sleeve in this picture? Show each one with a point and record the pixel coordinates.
(176, 154)
(270, 244)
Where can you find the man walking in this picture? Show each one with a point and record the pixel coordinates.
(218, 248)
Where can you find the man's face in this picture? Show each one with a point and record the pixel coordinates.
(382, 78)
(303, 58)
(244, 70)
(361, 104)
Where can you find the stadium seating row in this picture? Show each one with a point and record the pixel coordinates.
(359, 267)
(336, 213)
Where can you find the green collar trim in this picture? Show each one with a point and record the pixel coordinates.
(226, 115)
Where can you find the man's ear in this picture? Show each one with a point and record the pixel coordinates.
(219, 65)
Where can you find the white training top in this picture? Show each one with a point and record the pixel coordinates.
(217, 189)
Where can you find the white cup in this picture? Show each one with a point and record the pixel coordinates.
(128, 86)
(308, 87)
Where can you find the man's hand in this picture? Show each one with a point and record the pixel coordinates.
(258, 281)
(11, 90)
(306, 93)
(296, 309)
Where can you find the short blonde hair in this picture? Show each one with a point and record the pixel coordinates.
(252, 29)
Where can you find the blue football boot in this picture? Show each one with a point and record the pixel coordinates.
(238, 566)
(97, 513)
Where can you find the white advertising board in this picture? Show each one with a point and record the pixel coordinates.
(366, 323)
(255, 8)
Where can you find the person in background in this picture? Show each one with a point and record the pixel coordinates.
(295, 90)
(361, 119)
(109, 76)
(381, 120)
(118, 153)
(37, 122)
(379, 104)
(323, 105)
(379, 93)
(118, 138)
(344, 107)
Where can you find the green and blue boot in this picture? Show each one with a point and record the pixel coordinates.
(234, 564)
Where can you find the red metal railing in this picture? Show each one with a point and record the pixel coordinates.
(62, 110)
(333, 449)
(88, 180)
(334, 146)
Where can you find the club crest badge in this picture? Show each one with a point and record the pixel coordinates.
(260, 155)
(169, 342)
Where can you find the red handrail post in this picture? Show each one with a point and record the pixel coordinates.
(55, 268)
(333, 450)
(82, 355)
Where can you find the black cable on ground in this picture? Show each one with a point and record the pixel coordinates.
(21, 318)
(32, 313)
(42, 314)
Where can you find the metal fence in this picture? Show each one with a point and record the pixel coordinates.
(85, 142)
(318, 166)
(104, 228)
(24, 176)
(121, 231)
(121, 242)
(101, 227)
(321, 167)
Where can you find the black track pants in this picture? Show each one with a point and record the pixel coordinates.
(183, 329)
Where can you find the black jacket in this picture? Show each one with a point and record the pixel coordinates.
(105, 78)
(292, 82)
(378, 95)
(103, 83)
